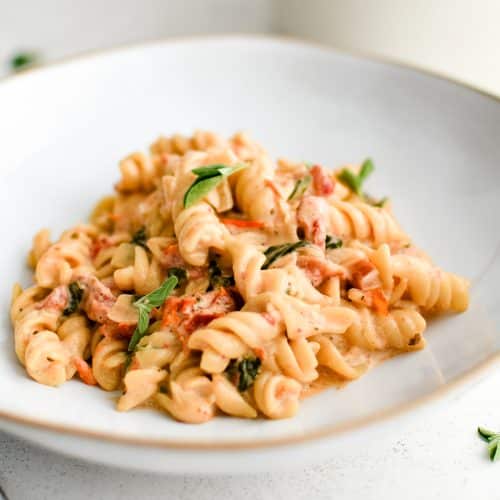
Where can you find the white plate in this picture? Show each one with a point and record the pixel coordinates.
(436, 148)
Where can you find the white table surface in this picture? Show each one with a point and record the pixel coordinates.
(431, 453)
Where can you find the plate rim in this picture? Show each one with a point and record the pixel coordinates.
(328, 431)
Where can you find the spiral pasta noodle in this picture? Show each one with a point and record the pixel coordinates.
(138, 174)
(364, 222)
(191, 398)
(75, 336)
(231, 337)
(108, 362)
(401, 329)
(216, 281)
(259, 197)
(65, 259)
(430, 287)
(277, 396)
(37, 345)
(144, 273)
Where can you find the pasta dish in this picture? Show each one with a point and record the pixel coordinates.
(216, 281)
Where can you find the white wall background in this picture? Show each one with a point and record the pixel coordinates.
(58, 28)
(457, 37)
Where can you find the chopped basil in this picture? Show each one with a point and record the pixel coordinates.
(381, 202)
(146, 304)
(208, 177)
(273, 253)
(331, 242)
(374, 202)
(300, 187)
(355, 181)
(75, 297)
(216, 278)
(366, 169)
(244, 372)
(178, 272)
(493, 440)
(139, 237)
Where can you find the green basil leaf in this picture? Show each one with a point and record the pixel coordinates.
(331, 242)
(146, 304)
(211, 170)
(494, 450)
(208, 177)
(273, 253)
(157, 297)
(143, 321)
(200, 188)
(300, 187)
(208, 170)
(351, 180)
(355, 182)
(493, 440)
(486, 434)
(128, 360)
(140, 330)
(366, 169)
(227, 171)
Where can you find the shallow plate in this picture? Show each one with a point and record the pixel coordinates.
(436, 148)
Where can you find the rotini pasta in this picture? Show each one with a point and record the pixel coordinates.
(216, 282)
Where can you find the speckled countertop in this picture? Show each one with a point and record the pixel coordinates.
(431, 453)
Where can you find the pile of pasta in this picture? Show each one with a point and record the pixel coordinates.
(216, 281)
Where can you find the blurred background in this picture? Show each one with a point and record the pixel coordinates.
(459, 38)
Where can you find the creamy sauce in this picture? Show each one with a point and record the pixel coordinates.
(328, 379)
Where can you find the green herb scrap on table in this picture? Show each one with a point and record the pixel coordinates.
(23, 60)
(493, 440)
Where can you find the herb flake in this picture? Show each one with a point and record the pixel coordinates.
(243, 373)
(23, 60)
(75, 297)
(273, 253)
(140, 237)
(216, 278)
(332, 242)
(381, 203)
(300, 188)
(374, 202)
